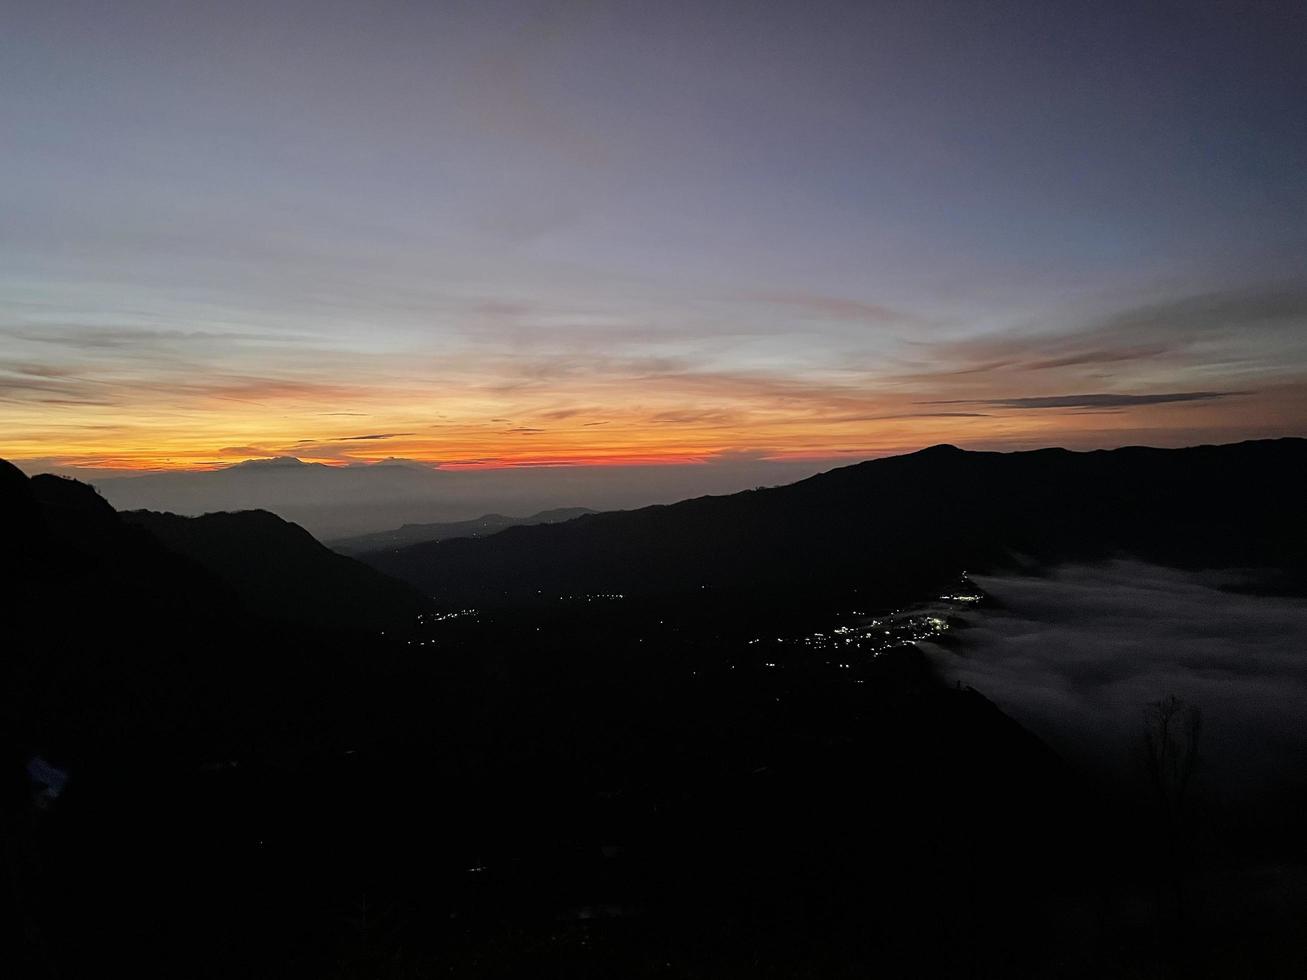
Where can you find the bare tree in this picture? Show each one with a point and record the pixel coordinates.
(1171, 735)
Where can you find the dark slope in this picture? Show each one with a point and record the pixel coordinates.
(236, 790)
(82, 551)
(108, 633)
(904, 523)
(21, 524)
(280, 571)
(131, 667)
(579, 789)
(480, 527)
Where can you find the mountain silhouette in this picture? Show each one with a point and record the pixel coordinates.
(66, 548)
(591, 788)
(479, 527)
(281, 571)
(903, 523)
(119, 624)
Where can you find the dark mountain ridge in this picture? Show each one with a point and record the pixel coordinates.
(581, 789)
(118, 625)
(281, 571)
(67, 547)
(903, 523)
(478, 527)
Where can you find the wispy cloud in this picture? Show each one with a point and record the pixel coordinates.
(1092, 401)
(1128, 377)
(83, 337)
(836, 308)
(1188, 335)
(1275, 306)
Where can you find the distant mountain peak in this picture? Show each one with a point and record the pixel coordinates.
(273, 462)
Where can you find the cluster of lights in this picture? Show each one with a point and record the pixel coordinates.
(442, 617)
(876, 635)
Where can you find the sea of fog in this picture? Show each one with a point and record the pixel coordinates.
(1077, 655)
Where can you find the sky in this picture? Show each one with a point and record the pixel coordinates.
(494, 234)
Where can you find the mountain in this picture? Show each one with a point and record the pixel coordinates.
(120, 624)
(605, 788)
(902, 524)
(327, 500)
(480, 527)
(110, 637)
(66, 547)
(280, 571)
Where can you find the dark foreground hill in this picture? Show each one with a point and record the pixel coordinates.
(553, 797)
(280, 571)
(116, 625)
(62, 538)
(608, 789)
(903, 523)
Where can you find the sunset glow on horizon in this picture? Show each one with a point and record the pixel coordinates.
(497, 235)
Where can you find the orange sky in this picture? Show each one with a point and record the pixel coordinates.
(487, 237)
(151, 404)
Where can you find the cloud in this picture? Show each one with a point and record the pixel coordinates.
(938, 415)
(704, 417)
(560, 414)
(1098, 355)
(836, 308)
(33, 369)
(1252, 328)
(1091, 401)
(668, 393)
(1076, 657)
(1278, 305)
(82, 337)
(244, 451)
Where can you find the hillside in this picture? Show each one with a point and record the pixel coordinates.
(692, 797)
(903, 523)
(480, 527)
(120, 628)
(66, 548)
(280, 571)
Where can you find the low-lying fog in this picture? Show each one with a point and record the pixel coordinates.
(1076, 657)
(338, 501)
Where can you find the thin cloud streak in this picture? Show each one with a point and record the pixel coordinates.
(648, 399)
(1094, 401)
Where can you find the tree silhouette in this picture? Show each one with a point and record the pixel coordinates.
(1172, 729)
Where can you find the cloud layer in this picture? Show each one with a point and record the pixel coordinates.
(108, 395)
(1078, 655)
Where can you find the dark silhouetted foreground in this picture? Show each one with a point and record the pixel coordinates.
(611, 770)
